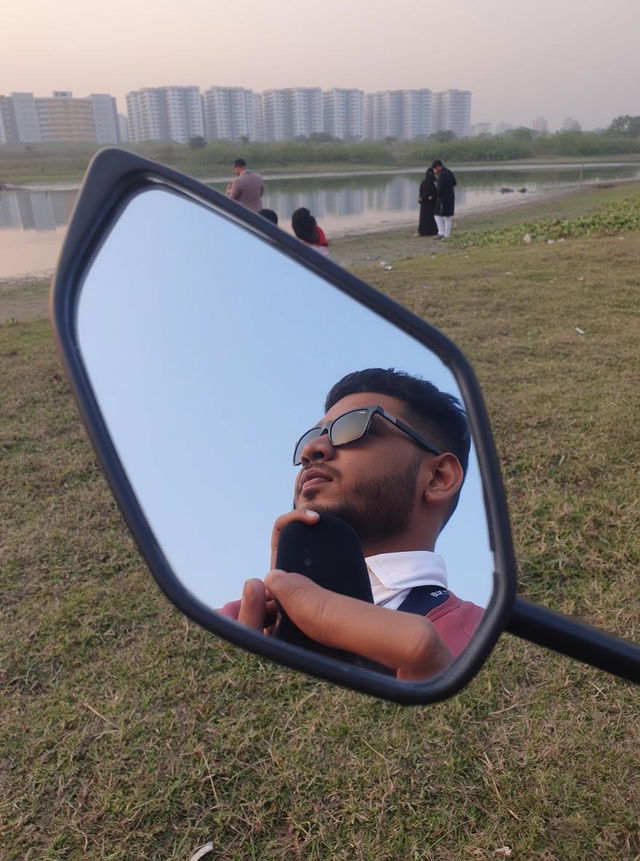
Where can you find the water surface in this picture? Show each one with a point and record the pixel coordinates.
(33, 221)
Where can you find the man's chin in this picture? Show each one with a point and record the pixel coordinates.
(328, 507)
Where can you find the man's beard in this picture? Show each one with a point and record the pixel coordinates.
(379, 508)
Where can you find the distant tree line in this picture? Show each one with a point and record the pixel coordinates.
(216, 157)
(625, 125)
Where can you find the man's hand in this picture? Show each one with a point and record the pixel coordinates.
(257, 608)
(305, 515)
(404, 642)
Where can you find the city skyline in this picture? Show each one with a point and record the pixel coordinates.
(574, 59)
(539, 123)
(181, 114)
(235, 113)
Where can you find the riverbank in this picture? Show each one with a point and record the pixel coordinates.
(26, 297)
(335, 171)
(370, 249)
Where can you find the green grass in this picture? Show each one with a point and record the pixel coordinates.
(619, 216)
(127, 732)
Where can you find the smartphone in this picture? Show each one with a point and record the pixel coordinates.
(329, 553)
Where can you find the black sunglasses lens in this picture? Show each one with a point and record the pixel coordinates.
(304, 439)
(349, 427)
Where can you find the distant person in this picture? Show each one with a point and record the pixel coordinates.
(445, 203)
(269, 214)
(308, 231)
(248, 186)
(427, 196)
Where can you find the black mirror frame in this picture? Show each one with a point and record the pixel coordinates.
(113, 178)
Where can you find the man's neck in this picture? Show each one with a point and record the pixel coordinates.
(396, 545)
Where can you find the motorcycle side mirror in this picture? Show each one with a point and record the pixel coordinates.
(200, 341)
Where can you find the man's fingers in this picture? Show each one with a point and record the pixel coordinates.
(305, 515)
(405, 642)
(253, 605)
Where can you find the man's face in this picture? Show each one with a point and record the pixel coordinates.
(371, 482)
(438, 168)
(238, 170)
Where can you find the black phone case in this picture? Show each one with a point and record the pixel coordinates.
(329, 553)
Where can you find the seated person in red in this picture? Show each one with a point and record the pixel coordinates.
(308, 231)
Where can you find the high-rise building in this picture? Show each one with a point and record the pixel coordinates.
(258, 116)
(503, 127)
(26, 117)
(165, 114)
(276, 113)
(480, 129)
(63, 118)
(417, 112)
(184, 109)
(452, 112)
(8, 127)
(105, 118)
(571, 125)
(400, 114)
(343, 112)
(540, 125)
(306, 111)
(229, 113)
(291, 113)
(123, 127)
(384, 114)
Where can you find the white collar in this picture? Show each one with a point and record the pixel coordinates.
(392, 575)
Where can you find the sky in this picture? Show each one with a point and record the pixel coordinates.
(552, 58)
(212, 474)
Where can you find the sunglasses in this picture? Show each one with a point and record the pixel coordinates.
(352, 426)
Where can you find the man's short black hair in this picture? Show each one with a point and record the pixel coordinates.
(437, 163)
(269, 214)
(239, 162)
(438, 415)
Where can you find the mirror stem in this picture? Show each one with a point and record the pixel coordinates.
(569, 637)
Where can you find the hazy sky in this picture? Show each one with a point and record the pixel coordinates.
(551, 58)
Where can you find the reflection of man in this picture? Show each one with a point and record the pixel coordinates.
(248, 186)
(388, 458)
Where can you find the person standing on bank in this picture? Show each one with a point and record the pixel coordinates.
(248, 186)
(427, 196)
(445, 204)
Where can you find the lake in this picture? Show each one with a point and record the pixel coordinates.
(33, 220)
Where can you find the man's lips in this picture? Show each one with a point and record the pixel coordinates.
(312, 478)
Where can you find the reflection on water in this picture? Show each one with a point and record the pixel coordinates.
(32, 227)
(35, 210)
(32, 222)
(364, 202)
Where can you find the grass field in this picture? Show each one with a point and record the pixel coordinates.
(128, 733)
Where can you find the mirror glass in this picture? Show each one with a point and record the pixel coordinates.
(210, 352)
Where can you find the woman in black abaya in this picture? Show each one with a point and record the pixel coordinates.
(427, 199)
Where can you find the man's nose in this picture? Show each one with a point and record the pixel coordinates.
(318, 448)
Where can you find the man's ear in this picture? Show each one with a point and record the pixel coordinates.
(443, 478)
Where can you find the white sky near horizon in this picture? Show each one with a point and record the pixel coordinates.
(573, 58)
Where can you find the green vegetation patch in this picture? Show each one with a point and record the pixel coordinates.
(623, 215)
